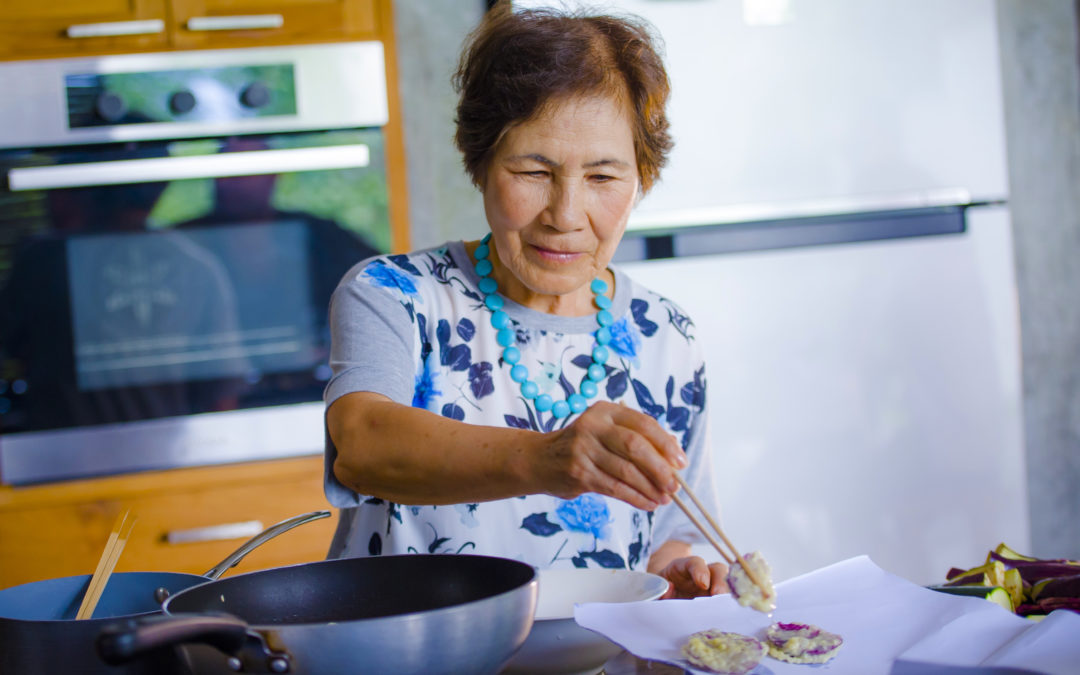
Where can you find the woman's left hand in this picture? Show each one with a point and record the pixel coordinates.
(692, 577)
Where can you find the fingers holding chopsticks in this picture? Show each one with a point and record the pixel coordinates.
(613, 450)
(735, 558)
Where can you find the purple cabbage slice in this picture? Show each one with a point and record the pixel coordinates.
(801, 643)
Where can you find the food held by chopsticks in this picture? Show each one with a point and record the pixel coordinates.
(723, 652)
(760, 596)
(748, 576)
(801, 643)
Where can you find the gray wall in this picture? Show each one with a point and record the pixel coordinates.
(443, 204)
(1041, 77)
(1041, 84)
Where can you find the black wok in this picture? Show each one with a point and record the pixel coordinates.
(388, 614)
(39, 633)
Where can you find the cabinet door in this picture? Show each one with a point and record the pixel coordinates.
(239, 23)
(31, 29)
(186, 521)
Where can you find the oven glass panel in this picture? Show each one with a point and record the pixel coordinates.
(135, 301)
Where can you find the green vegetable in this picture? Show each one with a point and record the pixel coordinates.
(992, 593)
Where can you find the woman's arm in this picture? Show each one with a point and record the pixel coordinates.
(412, 456)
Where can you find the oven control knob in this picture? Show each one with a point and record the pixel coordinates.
(255, 95)
(182, 102)
(110, 107)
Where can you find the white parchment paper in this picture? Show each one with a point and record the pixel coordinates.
(881, 617)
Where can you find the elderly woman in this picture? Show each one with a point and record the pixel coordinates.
(516, 396)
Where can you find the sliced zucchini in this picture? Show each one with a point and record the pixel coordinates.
(992, 593)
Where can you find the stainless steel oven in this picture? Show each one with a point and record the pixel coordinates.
(171, 227)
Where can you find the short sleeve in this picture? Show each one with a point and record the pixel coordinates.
(371, 341)
(371, 349)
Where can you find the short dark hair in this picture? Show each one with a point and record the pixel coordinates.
(518, 61)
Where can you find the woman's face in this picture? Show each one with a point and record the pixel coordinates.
(558, 193)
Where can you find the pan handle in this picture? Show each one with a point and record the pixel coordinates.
(126, 641)
(261, 538)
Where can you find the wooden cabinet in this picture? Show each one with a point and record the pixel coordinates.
(31, 29)
(221, 23)
(60, 529)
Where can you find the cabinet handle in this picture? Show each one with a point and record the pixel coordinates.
(247, 22)
(85, 30)
(248, 528)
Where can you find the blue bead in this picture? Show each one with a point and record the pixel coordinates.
(604, 318)
(544, 403)
(493, 301)
(519, 373)
(483, 268)
(511, 355)
(488, 285)
(529, 389)
(486, 239)
(482, 252)
(505, 337)
(600, 354)
(499, 320)
(603, 302)
(596, 372)
(603, 336)
(598, 286)
(577, 403)
(560, 410)
(588, 388)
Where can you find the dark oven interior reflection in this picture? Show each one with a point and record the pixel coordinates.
(147, 300)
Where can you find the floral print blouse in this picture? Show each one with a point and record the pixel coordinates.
(414, 328)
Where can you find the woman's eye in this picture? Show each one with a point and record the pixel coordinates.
(600, 178)
(535, 174)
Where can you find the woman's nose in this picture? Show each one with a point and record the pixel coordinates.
(567, 207)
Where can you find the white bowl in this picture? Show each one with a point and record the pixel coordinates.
(556, 644)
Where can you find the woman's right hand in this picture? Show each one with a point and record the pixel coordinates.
(612, 450)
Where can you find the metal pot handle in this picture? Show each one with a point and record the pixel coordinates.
(259, 539)
(122, 642)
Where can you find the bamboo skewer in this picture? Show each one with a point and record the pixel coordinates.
(113, 548)
(715, 526)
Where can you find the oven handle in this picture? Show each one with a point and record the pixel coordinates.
(160, 169)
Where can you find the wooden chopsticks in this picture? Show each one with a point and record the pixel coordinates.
(712, 540)
(117, 539)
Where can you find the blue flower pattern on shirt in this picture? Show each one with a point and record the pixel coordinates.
(381, 274)
(588, 513)
(427, 385)
(625, 339)
(451, 381)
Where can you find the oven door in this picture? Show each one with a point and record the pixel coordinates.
(159, 280)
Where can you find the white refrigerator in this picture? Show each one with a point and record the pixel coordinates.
(864, 396)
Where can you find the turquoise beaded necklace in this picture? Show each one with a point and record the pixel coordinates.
(506, 337)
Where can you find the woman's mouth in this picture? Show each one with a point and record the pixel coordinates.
(551, 255)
